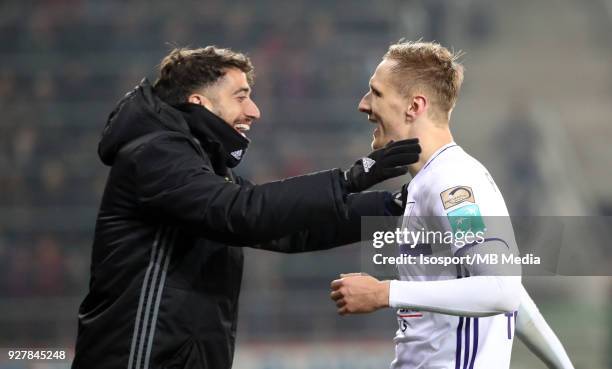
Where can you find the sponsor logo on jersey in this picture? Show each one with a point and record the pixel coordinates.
(408, 313)
(403, 315)
(457, 195)
(466, 219)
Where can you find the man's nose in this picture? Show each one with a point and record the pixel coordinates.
(252, 111)
(364, 104)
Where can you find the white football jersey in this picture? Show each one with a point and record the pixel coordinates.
(450, 185)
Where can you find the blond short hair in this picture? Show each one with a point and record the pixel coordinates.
(430, 68)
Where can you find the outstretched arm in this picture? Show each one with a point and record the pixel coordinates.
(487, 292)
(536, 334)
(474, 296)
(177, 185)
(326, 235)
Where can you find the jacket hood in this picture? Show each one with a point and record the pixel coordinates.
(139, 113)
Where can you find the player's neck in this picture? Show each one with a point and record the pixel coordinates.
(430, 140)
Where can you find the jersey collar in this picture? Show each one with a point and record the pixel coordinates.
(437, 153)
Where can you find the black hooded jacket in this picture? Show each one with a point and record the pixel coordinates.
(167, 256)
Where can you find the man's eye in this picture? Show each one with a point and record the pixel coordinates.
(376, 93)
(241, 98)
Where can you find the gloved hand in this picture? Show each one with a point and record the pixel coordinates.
(382, 164)
(396, 202)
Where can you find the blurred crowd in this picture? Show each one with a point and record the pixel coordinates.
(67, 62)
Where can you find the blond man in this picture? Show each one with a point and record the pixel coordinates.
(464, 315)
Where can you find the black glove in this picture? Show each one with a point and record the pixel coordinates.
(382, 164)
(397, 202)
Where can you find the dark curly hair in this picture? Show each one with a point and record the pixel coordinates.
(185, 71)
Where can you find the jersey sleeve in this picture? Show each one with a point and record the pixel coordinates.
(468, 205)
(461, 200)
(536, 334)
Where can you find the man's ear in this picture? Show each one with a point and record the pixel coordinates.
(199, 99)
(417, 105)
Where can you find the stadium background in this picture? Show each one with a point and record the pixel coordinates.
(534, 109)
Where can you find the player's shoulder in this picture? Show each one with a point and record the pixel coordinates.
(455, 177)
(452, 167)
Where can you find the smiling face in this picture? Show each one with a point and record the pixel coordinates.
(385, 107)
(230, 99)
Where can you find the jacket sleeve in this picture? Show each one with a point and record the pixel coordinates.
(325, 235)
(176, 185)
